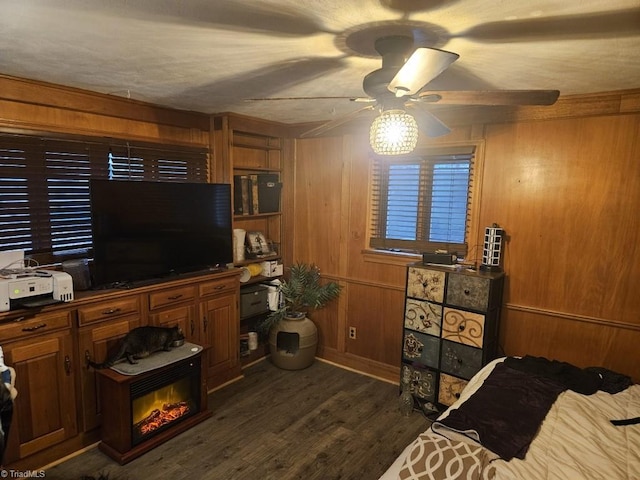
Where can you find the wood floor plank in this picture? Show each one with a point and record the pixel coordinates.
(320, 423)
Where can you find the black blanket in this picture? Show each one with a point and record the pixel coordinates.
(506, 411)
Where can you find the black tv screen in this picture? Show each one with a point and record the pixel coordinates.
(146, 230)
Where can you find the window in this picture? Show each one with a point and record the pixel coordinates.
(44, 186)
(421, 203)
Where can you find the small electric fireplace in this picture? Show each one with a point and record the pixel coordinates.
(139, 412)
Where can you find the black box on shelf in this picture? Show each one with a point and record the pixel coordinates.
(253, 300)
(269, 188)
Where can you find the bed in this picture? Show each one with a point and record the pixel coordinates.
(554, 433)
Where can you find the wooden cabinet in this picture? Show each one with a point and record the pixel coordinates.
(40, 349)
(101, 326)
(219, 328)
(450, 330)
(58, 410)
(207, 312)
(175, 306)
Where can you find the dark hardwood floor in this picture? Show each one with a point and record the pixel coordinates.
(323, 422)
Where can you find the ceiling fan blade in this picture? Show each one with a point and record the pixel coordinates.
(270, 99)
(429, 124)
(589, 25)
(325, 127)
(423, 65)
(491, 97)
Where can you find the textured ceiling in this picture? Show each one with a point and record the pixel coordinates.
(215, 55)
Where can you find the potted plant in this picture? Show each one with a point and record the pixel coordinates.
(293, 336)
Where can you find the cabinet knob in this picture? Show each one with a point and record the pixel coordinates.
(459, 361)
(467, 291)
(461, 327)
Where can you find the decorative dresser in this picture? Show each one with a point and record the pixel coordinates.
(450, 327)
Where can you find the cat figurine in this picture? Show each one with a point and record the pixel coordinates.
(142, 342)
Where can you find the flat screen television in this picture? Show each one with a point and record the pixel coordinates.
(151, 230)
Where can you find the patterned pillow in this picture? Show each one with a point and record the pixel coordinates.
(434, 457)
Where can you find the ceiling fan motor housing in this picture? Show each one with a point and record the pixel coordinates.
(394, 50)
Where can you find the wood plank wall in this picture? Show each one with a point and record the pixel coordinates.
(564, 184)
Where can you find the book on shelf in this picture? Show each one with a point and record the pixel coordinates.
(255, 203)
(242, 202)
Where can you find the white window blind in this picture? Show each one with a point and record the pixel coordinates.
(421, 203)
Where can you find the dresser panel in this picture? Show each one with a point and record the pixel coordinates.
(423, 316)
(450, 389)
(468, 292)
(421, 348)
(460, 360)
(423, 382)
(463, 327)
(426, 284)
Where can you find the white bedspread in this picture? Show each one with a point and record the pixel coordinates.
(576, 441)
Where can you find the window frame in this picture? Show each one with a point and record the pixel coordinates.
(407, 249)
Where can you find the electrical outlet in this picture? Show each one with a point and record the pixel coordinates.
(352, 333)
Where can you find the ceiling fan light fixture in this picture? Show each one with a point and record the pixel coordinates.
(394, 132)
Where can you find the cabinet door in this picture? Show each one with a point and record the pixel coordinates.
(183, 317)
(45, 409)
(220, 331)
(98, 342)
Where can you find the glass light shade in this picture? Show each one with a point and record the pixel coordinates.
(394, 132)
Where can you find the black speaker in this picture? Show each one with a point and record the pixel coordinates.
(439, 258)
(79, 271)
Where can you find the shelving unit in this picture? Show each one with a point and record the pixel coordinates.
(253, 153)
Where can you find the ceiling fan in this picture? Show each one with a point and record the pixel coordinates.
(399, 86)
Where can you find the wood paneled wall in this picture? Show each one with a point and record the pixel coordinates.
(566, 189)
(563, 181)
(26, 105)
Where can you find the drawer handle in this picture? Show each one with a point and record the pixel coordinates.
(19, 319)
(34, 328)
(111, 311)
(175, 297)
(457, 395)
(218, 287)
(67, 365)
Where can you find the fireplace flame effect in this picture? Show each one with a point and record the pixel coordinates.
(169, 412)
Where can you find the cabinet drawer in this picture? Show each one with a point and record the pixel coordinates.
(423, 316)
(426, 284)
(423, 382)
(108, 310)
(450, 389)
(468, 292)
(35, 325)
(418, 347)
(460, 360)
(463, 327)
(171, 296)
(219, 286)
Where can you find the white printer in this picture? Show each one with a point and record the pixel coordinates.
(35, 288)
